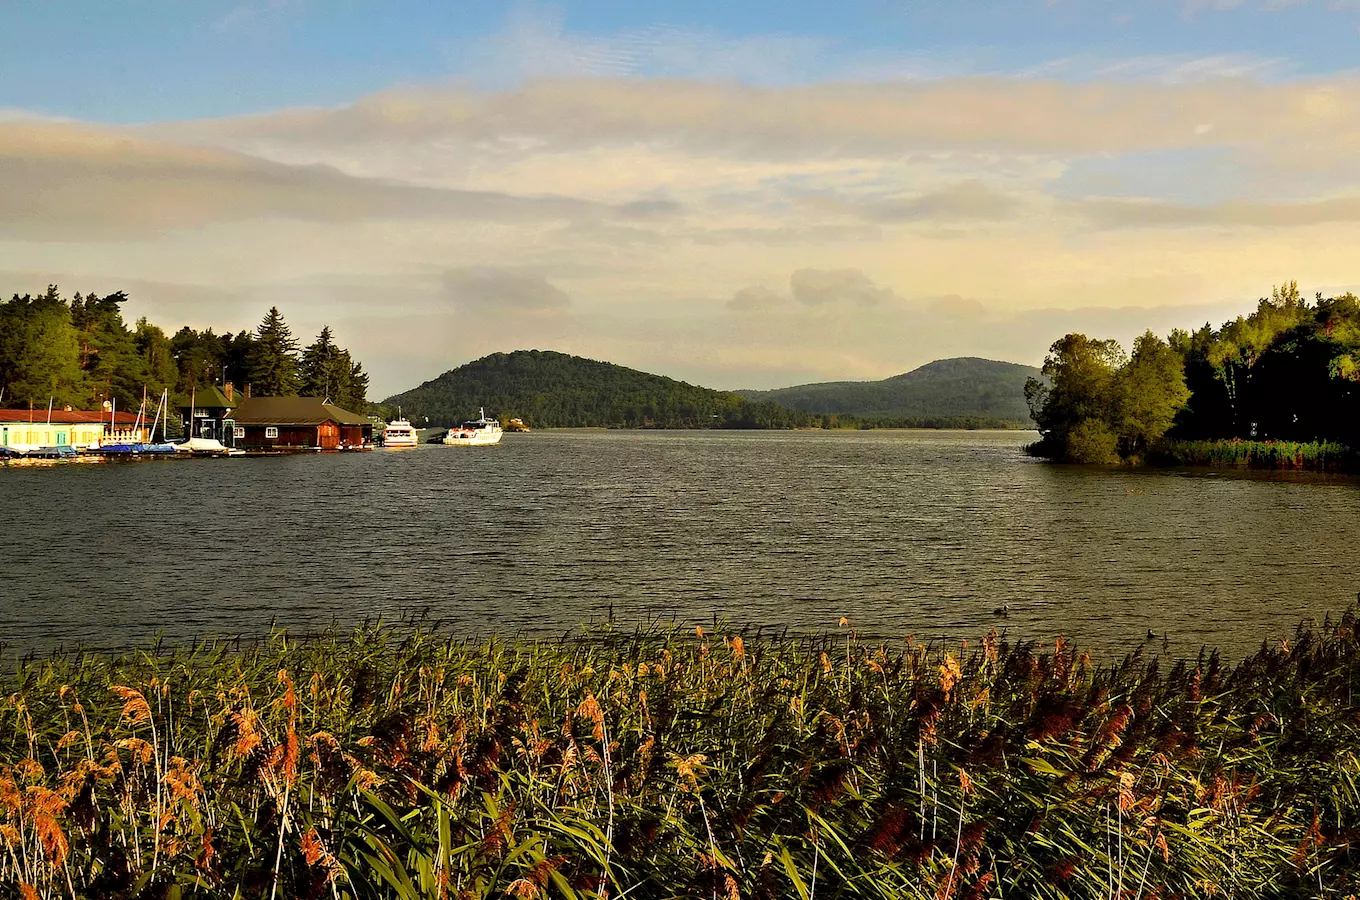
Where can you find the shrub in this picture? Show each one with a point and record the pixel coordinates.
(1092, 441)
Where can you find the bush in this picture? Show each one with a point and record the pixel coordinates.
(1092, 441)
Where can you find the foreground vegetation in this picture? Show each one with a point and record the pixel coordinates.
(668, 764)
(1286, 376)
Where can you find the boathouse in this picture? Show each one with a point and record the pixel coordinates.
(26, 430)
(298, 423)
(210, 415)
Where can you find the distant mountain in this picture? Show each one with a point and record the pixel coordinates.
(966, 389)
(555, 390)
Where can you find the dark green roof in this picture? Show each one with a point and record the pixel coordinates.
(293, 411)
(211, 397)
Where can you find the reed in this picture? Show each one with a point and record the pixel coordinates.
(1313, 455)
(668, 763)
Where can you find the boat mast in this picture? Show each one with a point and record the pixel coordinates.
(151, 438)
(141, 411)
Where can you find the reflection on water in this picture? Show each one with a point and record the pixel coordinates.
(902, 532)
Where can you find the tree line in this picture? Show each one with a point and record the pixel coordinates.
(1289, 371)
(81, 353)
(556, 390)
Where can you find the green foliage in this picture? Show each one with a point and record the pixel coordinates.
(40, 352)
(555, 390)
(1150, 392)
(678, 765)
(1092, 442)
(114, 368)
(326, 370)
(1080, 389)
(1286, 375)
(1314, 455)
(273, 358)
(82, 353)
(947, 390)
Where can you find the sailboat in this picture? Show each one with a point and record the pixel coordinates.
(162, 409)
(201, 445)
(122, 448)
(148, 447)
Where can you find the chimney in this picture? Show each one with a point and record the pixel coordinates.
(230, 390)
(247, 390)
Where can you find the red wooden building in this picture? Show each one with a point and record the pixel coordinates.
(299, 423)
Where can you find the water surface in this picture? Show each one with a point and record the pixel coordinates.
(899, 531)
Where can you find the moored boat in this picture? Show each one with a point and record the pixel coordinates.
(474, 432)
(399, 433)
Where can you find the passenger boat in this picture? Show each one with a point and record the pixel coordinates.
(474, 432)
(399, 433)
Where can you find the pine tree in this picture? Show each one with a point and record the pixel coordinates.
(39, 352)
(116, 370)
(357, 398)
(274, 358)
(323, 371)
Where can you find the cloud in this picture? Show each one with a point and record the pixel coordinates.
(966, 201)
(482, 288)
(978, 114)
(956, 307)
(756, 297)
(62, 179)
(821, 287)
(535, 43)
(1161, 214)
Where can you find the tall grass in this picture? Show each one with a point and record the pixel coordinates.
(1314, 455)
(670, 764)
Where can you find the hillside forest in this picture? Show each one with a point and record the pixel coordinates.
(964, 392)
(1288, 372)
(557, 390)
(81, 353)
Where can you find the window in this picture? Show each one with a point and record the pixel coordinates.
(238, 432)
(271, 431)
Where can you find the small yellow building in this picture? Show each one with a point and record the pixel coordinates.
(26, 430)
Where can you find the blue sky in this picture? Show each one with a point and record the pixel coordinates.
(740, 194)
(140, 61)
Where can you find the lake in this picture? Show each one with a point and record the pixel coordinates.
(898, 531)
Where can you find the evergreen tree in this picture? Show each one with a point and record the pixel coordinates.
(356, 396)
(108, 354)
(327, 370)
(273, 358)
(323, 371)
(198, 357)
(158, 358)
(40, 352)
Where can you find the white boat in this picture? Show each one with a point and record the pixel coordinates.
(474, 432)
(206, 447)
(399, 433)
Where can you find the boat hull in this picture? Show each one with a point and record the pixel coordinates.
(473, 439)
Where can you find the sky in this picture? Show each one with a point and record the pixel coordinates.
(737, 194)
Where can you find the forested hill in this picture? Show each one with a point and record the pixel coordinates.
(964, 388)
(555, 390)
